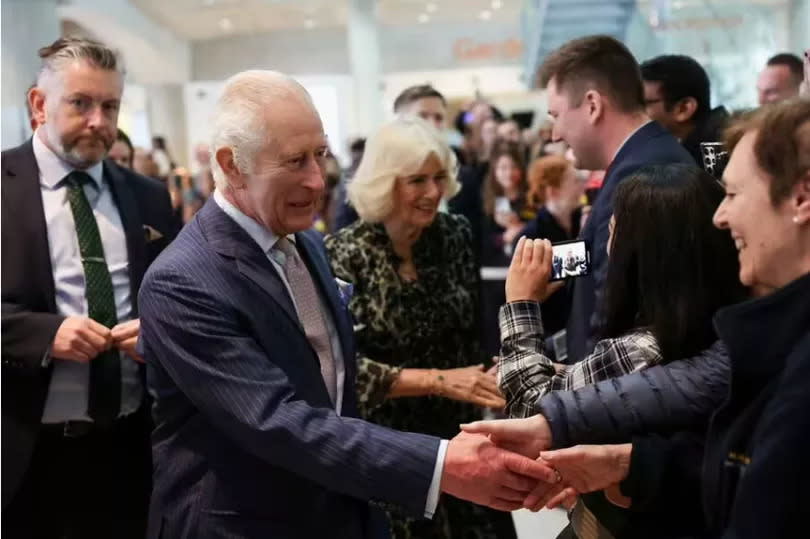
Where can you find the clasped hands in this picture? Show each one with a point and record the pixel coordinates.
(504, 464)
(82, 339)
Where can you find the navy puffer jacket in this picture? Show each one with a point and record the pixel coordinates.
(680, 395)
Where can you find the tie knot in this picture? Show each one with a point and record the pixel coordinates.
(285, 249)
(78, 178)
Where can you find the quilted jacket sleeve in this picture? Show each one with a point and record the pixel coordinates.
(680, 395)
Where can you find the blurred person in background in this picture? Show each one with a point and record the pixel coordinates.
(505, 203)
(413, 304)
(161, 156)
(505, 213)
(327, 203)
(509, 130)
(345, 214)
(143, 164)
(677, 95)
(204, 179)
(556, 191)
(78, 234)
(596, 100)
(122, 151)
(423, 101)
(780, 79)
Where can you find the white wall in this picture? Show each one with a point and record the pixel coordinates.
(325, 51)
(332, 95)
(27, 25)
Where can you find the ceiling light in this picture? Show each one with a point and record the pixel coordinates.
(497, 4)
(309, 24)
(485, 15)
(209, 2)
(226, 24)
(431, 7)
(423, 18)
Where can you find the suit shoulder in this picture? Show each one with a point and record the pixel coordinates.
(138, 181)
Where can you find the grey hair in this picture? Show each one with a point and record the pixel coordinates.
(66, 50)
(240, 117)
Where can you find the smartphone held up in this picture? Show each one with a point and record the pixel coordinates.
(570, 259)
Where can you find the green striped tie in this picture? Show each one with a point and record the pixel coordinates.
(104, 399)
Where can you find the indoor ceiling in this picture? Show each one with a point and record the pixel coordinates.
(211, 19)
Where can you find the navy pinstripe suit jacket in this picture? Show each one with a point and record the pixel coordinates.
(246, 443)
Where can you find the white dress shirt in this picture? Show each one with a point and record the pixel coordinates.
(68, 390)
(266, 239)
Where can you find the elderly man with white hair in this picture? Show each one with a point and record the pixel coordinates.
(250, 358)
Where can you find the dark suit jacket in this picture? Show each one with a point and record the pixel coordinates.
(650, 145)
(246, 441)
(29, 316)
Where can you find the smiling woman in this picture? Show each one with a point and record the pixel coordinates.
(414, 304)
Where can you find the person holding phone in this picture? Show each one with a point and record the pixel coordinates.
(652, 311)
(556, 191)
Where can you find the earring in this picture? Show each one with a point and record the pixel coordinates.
(796, 219)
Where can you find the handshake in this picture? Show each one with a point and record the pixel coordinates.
(504, 464)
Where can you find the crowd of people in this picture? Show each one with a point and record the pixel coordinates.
(279, 346)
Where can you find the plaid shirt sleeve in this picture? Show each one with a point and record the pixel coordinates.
(525, 374)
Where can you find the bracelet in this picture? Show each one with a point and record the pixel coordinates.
(440, 386)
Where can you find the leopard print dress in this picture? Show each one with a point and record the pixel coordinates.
(427, 323)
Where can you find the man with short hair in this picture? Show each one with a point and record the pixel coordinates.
(780, 79)
(677, 95)
(509, 130)
(78, 232)
(250, 351)
(423, 101)
(596, 100)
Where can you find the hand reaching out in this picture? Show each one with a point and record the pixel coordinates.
(477, 470)
(470, 384)
(582, 469)
(527, 436)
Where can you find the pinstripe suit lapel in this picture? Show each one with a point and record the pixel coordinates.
(230, 240)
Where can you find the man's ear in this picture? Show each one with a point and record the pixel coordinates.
(225, 159)
(595, 104)
(36, 99)
(685, 109)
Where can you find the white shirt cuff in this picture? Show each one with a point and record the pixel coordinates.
(436, 482)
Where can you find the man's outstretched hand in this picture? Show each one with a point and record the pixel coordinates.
(477, 470)
(528, 436)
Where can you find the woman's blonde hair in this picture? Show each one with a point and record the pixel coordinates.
(544, 172)
(397, 149)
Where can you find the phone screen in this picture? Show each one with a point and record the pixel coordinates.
(570, 259)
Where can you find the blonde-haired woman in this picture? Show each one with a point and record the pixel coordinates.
(413, 302)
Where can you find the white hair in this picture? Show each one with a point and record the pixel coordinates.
(240, 117)
(397, 149)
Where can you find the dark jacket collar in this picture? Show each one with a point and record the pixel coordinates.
(632, 145)
(761, 333)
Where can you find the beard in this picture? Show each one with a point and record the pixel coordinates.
(83, 156)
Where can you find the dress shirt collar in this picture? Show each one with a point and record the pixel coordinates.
(53, 170)
(262, 235)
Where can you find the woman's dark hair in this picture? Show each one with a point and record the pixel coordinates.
(670, 269)
(125, 139)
